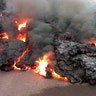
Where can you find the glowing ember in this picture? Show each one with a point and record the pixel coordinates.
(28, 67)
(57, 76)
(42, 64)
(3, 36)
(19, 58)
(22, 37)
(91, 41)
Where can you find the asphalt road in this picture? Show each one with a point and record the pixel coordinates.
(28, 83)
(25, 83)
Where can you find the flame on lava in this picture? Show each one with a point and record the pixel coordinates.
(21, 24)
(22, 37)
(0, 14)
(4, 36)
(19, 59)
(42, 67)
(58, 77)
(91, 41)
(42, 63)
(1, 49)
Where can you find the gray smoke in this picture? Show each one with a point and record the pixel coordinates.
(77, 16)
(54, 16)
(28, 7)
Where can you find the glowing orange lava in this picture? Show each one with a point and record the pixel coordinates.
(22, 37)
(3, 36)
(42, 67)
(21, 24)
(92, 41)
(58, 77)
(42, 64)
(19, 58)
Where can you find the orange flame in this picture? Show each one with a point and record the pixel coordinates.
(42, 67)
(22, 37)
(28, 67)
(42, 63)
(19, 59)
(3, 36)
(91, 41)
(57, 76)
(21, 24)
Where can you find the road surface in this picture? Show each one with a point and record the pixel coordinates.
(18, 83)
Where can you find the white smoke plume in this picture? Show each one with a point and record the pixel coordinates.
(28, 7)
(74, 9)
(66, 8)
(79, 13)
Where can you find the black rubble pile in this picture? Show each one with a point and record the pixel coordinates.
(9, 52)
(75, 60)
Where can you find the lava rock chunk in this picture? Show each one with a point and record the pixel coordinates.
(11, 50)
(75, 60)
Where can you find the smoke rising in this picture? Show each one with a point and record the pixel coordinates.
(28, 7)
(66, 8)
(77, 16)
(76, 10)
(54, 16)
(31, 7)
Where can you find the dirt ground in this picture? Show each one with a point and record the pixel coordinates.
(18, 83)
